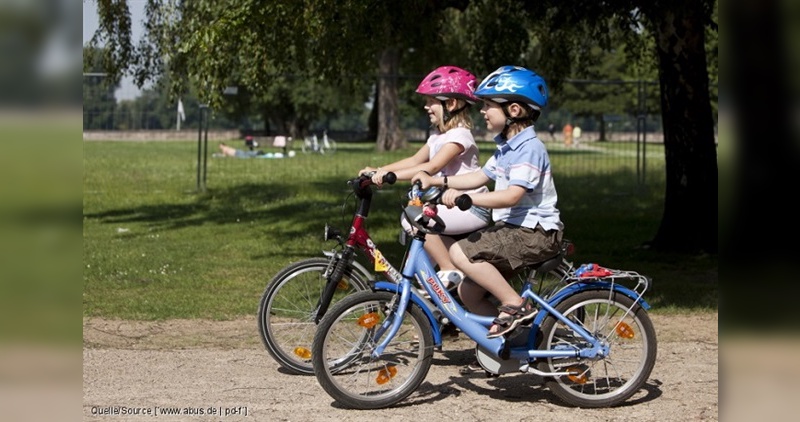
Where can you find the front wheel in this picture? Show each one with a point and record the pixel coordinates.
(343, 345)
(288, 307)
(604, 382)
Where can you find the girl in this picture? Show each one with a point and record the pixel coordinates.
(450, 150)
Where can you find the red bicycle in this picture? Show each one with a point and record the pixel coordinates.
(299, 295)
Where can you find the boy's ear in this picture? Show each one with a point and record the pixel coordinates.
(514, 110)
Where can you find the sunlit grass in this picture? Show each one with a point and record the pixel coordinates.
(155, 247)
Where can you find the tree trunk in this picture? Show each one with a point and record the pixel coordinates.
(373, 115)
(390, 137)
(602, 127)
(689, 222)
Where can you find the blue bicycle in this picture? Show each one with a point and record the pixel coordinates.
(592, 340)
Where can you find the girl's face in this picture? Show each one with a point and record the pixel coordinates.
(434, 108)
(493, 116)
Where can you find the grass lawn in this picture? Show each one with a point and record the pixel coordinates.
(155, 248)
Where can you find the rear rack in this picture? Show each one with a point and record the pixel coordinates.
(622, 277)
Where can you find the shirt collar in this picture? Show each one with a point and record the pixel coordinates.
(516, 140)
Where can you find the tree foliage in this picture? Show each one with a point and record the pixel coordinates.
(258, 44)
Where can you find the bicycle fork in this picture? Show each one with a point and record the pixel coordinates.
(332, 283)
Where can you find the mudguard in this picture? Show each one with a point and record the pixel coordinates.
(394, 288)
(589, 285)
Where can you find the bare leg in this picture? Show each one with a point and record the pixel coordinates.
(474, 298)
(488, 278)
(437, 247)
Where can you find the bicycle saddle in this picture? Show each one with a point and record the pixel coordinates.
(548, 265)
(551, 264)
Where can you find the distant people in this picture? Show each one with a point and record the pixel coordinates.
(576, 135)
(250, 143)
(568, 135)
(551, 128)
(228, 151)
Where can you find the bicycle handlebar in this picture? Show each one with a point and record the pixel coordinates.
(434, 196)
(464, 202)
(390, 178)
(365, 179)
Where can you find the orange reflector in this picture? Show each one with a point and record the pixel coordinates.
(302, 352)
(369, 320)
(385, 374)
(624, 330)
(577, 375)
(342, 285)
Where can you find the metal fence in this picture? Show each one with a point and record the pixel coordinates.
(623, 142)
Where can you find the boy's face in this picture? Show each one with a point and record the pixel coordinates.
(493, 116)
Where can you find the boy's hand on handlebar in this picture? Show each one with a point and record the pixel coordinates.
(449, 197)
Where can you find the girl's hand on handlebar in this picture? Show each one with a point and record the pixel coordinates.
(366, 170)
(377, 177)
(423, 178)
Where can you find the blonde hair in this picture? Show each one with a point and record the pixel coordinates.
(462, 118)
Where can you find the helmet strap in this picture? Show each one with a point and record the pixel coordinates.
(445, 112)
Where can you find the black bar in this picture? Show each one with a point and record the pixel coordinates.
(205, 151)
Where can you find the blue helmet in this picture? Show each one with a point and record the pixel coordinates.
(514, 83)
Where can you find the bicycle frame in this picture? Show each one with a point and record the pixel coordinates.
(357, 239)
(418, 265)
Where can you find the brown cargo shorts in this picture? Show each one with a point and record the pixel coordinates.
(509, 247)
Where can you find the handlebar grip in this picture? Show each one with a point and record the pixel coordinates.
(389, 178)
(464, 202)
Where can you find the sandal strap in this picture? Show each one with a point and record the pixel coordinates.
(514, 310)
(511, 310)
(503, 321)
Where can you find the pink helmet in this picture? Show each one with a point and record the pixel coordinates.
(449, 82)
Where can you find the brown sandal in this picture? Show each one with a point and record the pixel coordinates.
(516, 316)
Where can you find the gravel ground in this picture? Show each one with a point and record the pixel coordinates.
(222, 369)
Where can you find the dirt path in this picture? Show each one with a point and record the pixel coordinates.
(223, 367)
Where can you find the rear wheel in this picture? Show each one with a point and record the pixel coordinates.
(346, 338)
(627, 329)
(288, 309)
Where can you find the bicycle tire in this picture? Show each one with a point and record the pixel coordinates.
(343, 343)
(286, 312)
(609, 381)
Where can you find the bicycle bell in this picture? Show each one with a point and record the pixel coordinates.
(431, 195)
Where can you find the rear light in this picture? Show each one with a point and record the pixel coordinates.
(569, 248)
